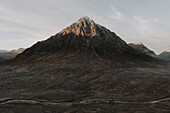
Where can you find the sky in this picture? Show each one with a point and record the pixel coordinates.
(24, 22)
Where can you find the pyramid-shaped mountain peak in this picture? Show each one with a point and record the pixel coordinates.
(84, 26)
(83, 34)
(85, 18)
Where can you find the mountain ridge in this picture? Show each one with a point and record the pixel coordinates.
(140, 47)
(165, 54)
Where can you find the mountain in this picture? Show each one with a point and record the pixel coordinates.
(165, 54)
(84, 68)
(142, 48)
(8, 54)
(83, 35)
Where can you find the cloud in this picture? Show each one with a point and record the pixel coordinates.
(116, 14)
(24, 22)
(139, 28)
(144, 24)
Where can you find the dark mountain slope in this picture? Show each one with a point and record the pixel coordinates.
(83, 35)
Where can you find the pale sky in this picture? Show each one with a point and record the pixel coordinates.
(24, 22)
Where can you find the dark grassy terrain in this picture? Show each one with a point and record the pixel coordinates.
(84, 83)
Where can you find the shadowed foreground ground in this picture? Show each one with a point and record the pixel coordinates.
(77, 84)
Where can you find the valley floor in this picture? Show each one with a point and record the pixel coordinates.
(89, 87)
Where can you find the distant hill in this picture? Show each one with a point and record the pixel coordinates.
(3, 51)
(165, 54)
(8, 54)
(142, 48)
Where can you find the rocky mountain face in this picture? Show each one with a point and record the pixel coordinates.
(8, 54)
(142, 48)
(165, 54)
(83, 35)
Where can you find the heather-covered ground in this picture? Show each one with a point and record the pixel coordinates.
(84, 84)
